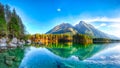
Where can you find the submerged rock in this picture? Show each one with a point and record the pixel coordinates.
(10, 57)
(9, 62)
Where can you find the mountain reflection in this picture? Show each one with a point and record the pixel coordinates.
(78, 50)
(66, 50)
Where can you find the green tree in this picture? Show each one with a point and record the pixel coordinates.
(3, 26)
(21, 26)
(7, 13)
(13, 27)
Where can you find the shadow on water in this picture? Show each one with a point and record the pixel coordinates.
(66, 55)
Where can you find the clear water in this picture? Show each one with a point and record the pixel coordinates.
(72, 56)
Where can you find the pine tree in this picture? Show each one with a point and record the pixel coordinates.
(7, 13)
(22, 27)
(14, 26)
(10, 23)
(3, 26)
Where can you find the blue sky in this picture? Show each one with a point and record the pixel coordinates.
(39, 16)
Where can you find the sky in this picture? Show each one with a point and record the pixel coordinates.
(39, 16)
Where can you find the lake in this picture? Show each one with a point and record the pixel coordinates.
(70, 55)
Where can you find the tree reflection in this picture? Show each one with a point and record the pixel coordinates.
(81, 51)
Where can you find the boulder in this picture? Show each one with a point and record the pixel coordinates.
(12, 45)
(3, 43)
(28, 42)
(3, 40)
(14, 41)
(21, 43)
(9, 62)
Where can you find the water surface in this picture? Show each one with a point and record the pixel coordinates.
(72, 56)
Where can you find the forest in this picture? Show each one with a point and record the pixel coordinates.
(59, 38)
(10, 23)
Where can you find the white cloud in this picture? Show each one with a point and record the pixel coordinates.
(115, 25)
(114, 29)
(103, 19)
(103, 24)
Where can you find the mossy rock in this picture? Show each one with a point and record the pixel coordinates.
(2, 55)
(9, 62)
(16, 59)
(9, 57)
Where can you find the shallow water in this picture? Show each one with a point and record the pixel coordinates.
(73, 56)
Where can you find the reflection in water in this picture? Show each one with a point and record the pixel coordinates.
(107, 56)
(81, 51)
(75, 56)
(39, 58)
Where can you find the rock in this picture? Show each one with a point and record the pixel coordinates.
(14, 41)
(21, 43)
(10, 57)
(3, 40)
(12, 44)
(3, 46)
(3, 43)
(8, 62)
(28, 42)
(5, 54)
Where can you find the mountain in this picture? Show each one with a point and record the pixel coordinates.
(82, 28)
(62, 28)
(88, 29)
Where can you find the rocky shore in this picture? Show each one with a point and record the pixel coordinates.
(12, 52)
(6, 43)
